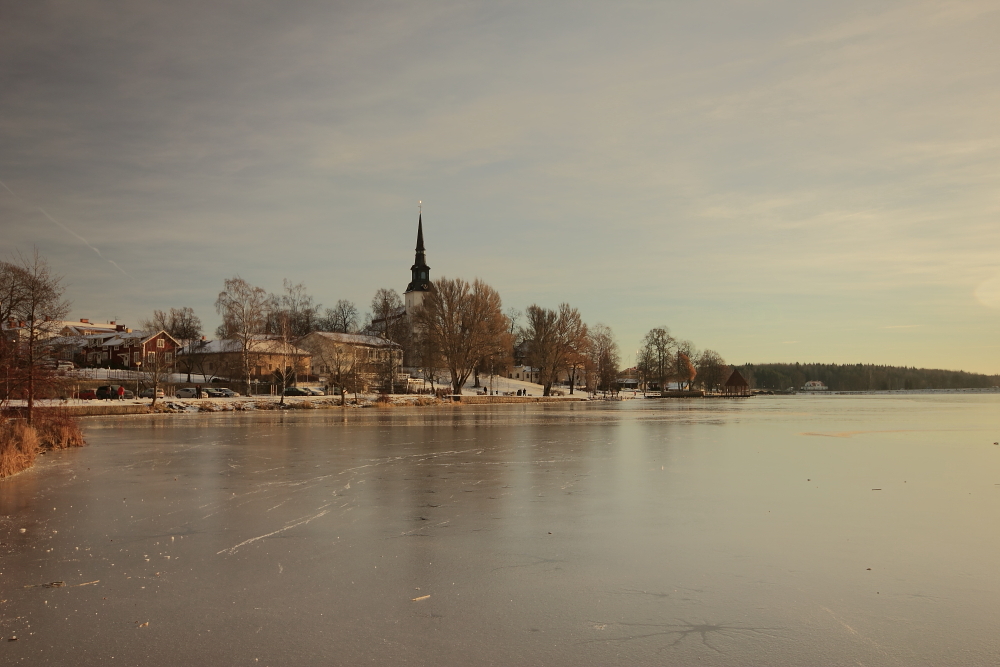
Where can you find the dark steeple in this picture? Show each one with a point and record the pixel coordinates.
(420, 273)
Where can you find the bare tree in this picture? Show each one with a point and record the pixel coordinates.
(552, 335)
(342, 366)
(244, 310)
(14, 282)
(157, 370)
(604, 357)
(342, 318)
(291, 362)
(576, 363)
(712, 370)
(463, 324)
(656, 357)
(37, 308)
(389, 320)
(181, 323)
(294, 309)
(386, 307)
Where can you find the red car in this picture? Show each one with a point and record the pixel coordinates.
(86, 394)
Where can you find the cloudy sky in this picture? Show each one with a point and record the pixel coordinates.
(778, 181)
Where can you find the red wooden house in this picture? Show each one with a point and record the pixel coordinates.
(129, 349)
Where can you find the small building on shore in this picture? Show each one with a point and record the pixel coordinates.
(814, 385)
(736, 385)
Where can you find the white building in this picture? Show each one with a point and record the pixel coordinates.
(814, 385)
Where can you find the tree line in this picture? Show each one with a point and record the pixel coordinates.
(862, 377)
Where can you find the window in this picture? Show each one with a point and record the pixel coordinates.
(137, 357)
(160, 342)
(151, 357)
(167, 357)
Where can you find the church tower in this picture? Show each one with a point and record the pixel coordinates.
(420, 281)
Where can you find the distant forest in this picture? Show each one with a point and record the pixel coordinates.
(862, 377)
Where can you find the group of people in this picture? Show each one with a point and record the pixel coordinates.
(115, 393)
(493, 392)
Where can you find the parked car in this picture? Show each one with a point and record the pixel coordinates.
(227, 393)
(86, 394)
(211, 392)
(297, 391)
(189, 392)
(148, 393)
(110, 391)
(315, 391)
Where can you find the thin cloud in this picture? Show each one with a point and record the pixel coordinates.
(65, 229)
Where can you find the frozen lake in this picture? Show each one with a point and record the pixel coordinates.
(835, 530)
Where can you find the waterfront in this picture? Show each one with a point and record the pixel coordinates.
(782, 531)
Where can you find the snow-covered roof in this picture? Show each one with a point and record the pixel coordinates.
(67, 341)
(123, 338)
(353, 339)
(262, 345)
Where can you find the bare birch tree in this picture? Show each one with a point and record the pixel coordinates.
(244, 310)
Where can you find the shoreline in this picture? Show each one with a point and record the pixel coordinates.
(82, 408)
(99, 408)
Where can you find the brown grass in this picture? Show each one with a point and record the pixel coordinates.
(57, 430)
(19, 446)
(426, 400)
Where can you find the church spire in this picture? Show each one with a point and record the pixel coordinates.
(420, 233)
(419, 272)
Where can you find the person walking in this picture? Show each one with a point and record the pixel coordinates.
(121, 392)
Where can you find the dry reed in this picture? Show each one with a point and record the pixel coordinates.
(18, 446)
(57, 430)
